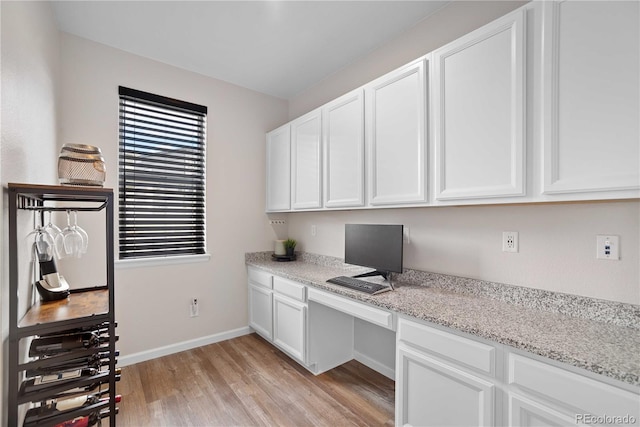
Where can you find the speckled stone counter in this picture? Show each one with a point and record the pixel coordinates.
(600, 336)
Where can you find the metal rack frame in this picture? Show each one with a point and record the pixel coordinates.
(30, 197)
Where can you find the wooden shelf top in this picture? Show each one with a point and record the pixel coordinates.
(76, 306)
(43, 188)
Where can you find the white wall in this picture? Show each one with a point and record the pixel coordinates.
(557, 242)
(28, 148)
(152, 302)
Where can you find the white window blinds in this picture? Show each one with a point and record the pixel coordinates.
(161, 176)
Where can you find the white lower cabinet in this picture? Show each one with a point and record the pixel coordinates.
(278, 312)
(558, 396)
(432, 393)
(260, 310)
(443, 379)
(528, 413)
(289, 326)
(260, 302)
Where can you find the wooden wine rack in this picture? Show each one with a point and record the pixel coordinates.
(84, 308)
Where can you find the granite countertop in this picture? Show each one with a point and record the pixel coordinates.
(596, 335)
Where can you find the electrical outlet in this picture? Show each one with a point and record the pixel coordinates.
(314, 230)
(277, 221)
(194, 308)
(608, 247)
(406, 235)
(509, 241)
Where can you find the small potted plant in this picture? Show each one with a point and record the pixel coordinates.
(289, 246)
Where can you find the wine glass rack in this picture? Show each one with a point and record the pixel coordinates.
(85, 309)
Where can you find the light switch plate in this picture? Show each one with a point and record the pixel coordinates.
(608, 247)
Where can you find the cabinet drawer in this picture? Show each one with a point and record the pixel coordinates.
(259, 277)
(356, 309)
(290, 288)
(579, 393)
(473, 354)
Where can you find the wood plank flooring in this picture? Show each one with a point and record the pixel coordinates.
(248, 382)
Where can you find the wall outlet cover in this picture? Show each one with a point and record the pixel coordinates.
(608, 247)
(194, 307)
(509, 241)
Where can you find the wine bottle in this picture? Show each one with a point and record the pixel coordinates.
(43, 381)
(89, 389)
(56, 345)
(86, 421)
(93, 361)
(62, 343)
(104, 326)
(53, 408)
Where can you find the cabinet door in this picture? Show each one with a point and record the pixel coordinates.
(279, 169)
(478, 92)
(343, 133)
(305, 161)
(576, 393)
(289, 326)
(396, 116)
(431, 393)
(260, 311)
(591, 103)
(527, 413)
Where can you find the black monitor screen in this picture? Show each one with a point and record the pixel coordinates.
(375, 246)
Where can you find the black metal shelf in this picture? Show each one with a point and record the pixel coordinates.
(85, 307)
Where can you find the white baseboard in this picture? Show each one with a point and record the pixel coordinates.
(375, 365)
(142, 356)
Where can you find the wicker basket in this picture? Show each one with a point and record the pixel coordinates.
(80, 164)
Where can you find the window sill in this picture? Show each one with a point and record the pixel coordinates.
(153, 262)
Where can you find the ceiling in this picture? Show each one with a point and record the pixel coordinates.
(275, 47)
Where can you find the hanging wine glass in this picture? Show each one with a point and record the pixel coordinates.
(55, 233)
(43, 242)
(85, 236)
(72, 239)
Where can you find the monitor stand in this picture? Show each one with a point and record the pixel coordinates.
(385, 274)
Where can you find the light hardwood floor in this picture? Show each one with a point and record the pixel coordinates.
(248, 382)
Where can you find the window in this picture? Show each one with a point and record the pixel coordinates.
(162, 176)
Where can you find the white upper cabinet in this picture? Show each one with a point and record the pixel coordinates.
(343, 134)
(279, 169)
(396, 142)
(306, 185)
(590, 97)
(478, 112)
(539, 105)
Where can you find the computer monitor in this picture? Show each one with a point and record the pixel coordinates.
(374, 245)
